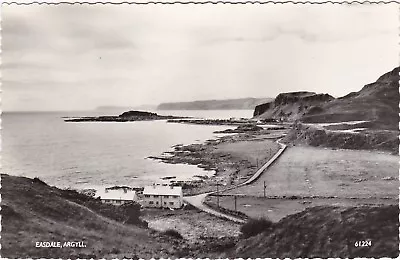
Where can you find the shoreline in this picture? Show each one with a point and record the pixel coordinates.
(234, 158)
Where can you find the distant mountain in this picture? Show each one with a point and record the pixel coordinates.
(126, 108)
(225, 104)
(377, 102)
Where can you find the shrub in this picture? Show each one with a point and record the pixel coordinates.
(39, 181)
(173, 233)
(255, 226)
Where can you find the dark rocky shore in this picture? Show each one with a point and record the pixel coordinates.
(231, 121)
(227, 156)
(124, 117)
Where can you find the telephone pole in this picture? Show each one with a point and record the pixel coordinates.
(264, 188)
(235, 202)
(217, 194)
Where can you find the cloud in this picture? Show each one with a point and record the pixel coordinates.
(134, 55)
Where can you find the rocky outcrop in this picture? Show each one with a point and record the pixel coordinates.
(137, 114)
(291, 106)
(260, 109)
(124, 117)
(376, 102)
(322, 137)
(243, 129)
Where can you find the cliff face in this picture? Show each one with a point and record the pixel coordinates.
(376, 102)
(291, 106)
(226, 104)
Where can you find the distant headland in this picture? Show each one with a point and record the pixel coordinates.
(224, 104)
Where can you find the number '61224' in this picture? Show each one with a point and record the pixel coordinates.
(363, 243)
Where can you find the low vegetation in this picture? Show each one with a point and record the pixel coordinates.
(255, 226)
(322, 232)
(383, 140)
(34, 212)
(173, 233)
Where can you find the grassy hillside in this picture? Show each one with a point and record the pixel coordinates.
(34, 212)
(226, 104)
(322, 232)
(376, 102)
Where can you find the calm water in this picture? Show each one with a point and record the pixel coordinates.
(99, 154)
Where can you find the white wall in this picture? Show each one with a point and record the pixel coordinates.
(163, 201)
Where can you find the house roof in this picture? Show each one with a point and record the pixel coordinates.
(118, 194)
(162, 190)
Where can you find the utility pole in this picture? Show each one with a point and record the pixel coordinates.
(235, 202)
(264, 188)
(217, 194)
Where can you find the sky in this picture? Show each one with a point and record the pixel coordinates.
(82, 56)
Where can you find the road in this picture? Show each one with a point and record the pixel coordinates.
(198, 200)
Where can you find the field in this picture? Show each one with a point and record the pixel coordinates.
(308, 171)
(306, 176)
(235, 158)
(193, 225)
(276, 209)
(255, 152)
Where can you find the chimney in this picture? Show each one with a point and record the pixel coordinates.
(125, 191)
(106, 190)
(172, 187)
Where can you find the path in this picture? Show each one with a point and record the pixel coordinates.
(198, 200)
(266, 165)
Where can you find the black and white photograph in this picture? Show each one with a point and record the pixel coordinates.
(219, 131)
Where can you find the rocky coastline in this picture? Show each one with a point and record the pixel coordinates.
(227, 122)
(231, 168)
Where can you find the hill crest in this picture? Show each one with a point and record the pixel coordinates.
(376, 102)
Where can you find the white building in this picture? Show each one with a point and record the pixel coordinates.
(117, 196)
(162, 196)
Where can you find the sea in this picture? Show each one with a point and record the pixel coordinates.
(83, 155)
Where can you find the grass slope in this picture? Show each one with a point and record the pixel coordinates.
(327, 232)
(35, 212)
(376, 102)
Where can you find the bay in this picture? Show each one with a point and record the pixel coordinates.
(100, 154)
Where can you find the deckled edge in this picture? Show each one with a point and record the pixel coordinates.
(199, 2)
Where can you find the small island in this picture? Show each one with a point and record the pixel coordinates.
(124, 117)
